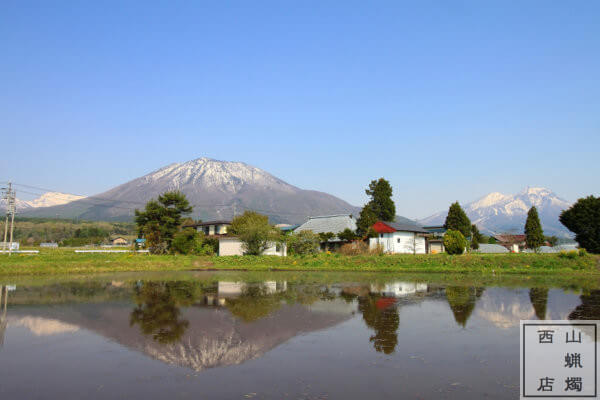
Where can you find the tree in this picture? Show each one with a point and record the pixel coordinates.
(161, 219)
(553, 240)
(583, 219)
(534, 235)
(303, 242)
(254, 232)
(347, 235)
(380, 207)
(326, 236)
(492, 240)
(454, 242)
(476, 237)
(366, 219)
(457, 220)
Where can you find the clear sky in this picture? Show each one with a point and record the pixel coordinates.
(449, 100)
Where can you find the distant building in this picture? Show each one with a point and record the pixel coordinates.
(212, 227)
(119, 241)
(513, 243)
(49, 245)
(232, 246)
(435, 240)
(399, 238)
(486, 248)
(329, 223)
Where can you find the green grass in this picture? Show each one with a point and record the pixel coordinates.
(66, 261)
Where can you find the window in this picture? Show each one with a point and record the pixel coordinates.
(398, 240)
(277, 247)
(381, 235)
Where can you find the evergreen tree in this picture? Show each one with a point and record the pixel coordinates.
(457, 220)
(380, 207)
(161, 219)
(583, 219)
(534, 235)
(476, 237)
(366, 219)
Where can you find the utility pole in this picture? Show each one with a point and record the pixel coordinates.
(10, 198)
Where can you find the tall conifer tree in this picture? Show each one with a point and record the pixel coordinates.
(534, 235)
(457, 220)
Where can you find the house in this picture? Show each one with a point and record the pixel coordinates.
(329, 223)
(435, 240)
(486, 248)
(399, 238)
(286, 228)
(212, 227)
(118, 241)
(232, 246)
(49, 245)
(514, 243)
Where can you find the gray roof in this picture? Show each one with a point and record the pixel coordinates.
(328, 223)
(491, 248)
(401, 226)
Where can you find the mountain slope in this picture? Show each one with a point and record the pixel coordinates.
(47, 199)
(216, 189)
(498, 213)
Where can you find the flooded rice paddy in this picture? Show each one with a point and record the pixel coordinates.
(272, 336)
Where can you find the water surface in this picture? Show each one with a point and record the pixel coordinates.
(273, 335)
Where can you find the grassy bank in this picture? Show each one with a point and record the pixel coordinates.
(67, 262)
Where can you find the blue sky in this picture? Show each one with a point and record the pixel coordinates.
(448, 100)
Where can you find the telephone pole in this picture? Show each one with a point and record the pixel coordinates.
(10, 197)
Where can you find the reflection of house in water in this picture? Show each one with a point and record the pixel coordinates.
(399, 289)
(227, 289)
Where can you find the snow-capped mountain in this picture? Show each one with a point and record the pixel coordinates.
(47, 199)
(504, 213)
(216, 189)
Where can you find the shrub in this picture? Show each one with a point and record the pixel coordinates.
(454, 242)
(568, 254)
(186, 241)
(303, 242)
(583, 252)
(354, 248)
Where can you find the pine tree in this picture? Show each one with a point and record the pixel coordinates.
(457, 220)
(476, 237)
(380, 207)
(534, 235)
(381, 202)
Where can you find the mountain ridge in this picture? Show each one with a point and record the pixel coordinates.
(504, 213)
(217, 190)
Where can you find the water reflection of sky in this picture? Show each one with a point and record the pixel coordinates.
(353, 340)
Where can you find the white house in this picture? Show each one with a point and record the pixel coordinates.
(232, 246)
(398, 238)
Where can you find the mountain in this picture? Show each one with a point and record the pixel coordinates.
(504, 213)
(47, 199)
(216, 189)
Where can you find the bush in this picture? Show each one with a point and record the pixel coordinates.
(354, 249)
(303, 242)
(186, 241)
(568, 254)
(583, 252)
(454, 242)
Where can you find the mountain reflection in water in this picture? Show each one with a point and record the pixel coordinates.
(200, 324)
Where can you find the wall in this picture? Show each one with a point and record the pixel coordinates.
(399, 243)
(233, 247)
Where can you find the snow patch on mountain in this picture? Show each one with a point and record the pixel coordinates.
(47, 199)
(499, 213)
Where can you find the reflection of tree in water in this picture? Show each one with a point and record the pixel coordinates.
(380, 314)
(589, 307)
(462, 301)
(539, 300)
(158, 312)
(254, 303)
(257, 302)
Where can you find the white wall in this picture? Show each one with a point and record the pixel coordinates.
(399, 243)
(233, 247)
